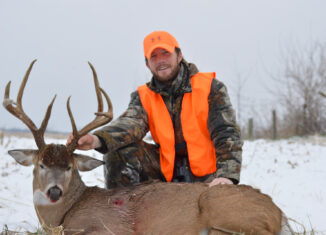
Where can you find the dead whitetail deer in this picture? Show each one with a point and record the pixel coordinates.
(62, 200)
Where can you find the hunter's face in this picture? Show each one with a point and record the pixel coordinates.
(164, 65)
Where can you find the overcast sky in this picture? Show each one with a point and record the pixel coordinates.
(228, 37)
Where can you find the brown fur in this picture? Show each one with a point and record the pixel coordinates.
(148, 208)
(169, 208)
(55, 155)
(253, 211)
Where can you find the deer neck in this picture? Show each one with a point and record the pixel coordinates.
(52, 214)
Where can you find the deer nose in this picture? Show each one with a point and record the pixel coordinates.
(54, 193)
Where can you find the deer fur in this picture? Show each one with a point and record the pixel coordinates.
(148, 208)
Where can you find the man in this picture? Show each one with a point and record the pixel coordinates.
(190, 118)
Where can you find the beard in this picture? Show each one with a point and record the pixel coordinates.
(168, 78)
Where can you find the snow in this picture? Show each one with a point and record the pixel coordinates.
(293, 173)
(290, 171)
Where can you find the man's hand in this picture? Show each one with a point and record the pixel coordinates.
(86, 142)
(220, 181)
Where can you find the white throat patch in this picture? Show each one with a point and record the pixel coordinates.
(39, 198)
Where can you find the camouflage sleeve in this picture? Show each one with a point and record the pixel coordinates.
(224, 133)
(130, 127)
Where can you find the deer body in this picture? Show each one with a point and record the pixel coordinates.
(131, 210)
(163, 208)
(159, 208)
(62, 199)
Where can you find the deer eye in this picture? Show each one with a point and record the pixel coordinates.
(41, 166)
(69, 168)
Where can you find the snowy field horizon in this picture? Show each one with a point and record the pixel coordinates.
(291, 171)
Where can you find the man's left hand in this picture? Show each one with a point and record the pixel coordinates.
(220, 181)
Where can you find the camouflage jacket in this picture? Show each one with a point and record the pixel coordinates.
(132, 125)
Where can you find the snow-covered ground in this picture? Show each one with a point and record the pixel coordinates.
(291, 171)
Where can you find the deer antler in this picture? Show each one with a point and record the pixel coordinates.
(100, 119)
(16, 109)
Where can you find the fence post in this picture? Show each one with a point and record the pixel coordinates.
(305, 123)
(1, 137)
(250, 128)
(274, 125)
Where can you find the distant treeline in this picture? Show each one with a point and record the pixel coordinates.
(18, 130)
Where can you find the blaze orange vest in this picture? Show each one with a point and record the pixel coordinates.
(194, 115)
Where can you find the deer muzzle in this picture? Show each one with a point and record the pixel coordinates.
(54, 193)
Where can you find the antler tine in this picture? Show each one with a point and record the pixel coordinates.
(97, 88)
(73, 145)
(7, 94)
(100, 119)
(23, 84)
(74, 129)
(47, 116)
(16, 109)
(108, 114)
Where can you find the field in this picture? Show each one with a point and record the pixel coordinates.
(291, 171)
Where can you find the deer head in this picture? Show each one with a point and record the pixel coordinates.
(55, 166)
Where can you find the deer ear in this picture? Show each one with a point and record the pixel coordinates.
(23, 156)
(85, 163)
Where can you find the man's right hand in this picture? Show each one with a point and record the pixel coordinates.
(86, 142)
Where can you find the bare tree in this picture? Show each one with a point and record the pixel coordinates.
(301, 79)
(239, 83)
